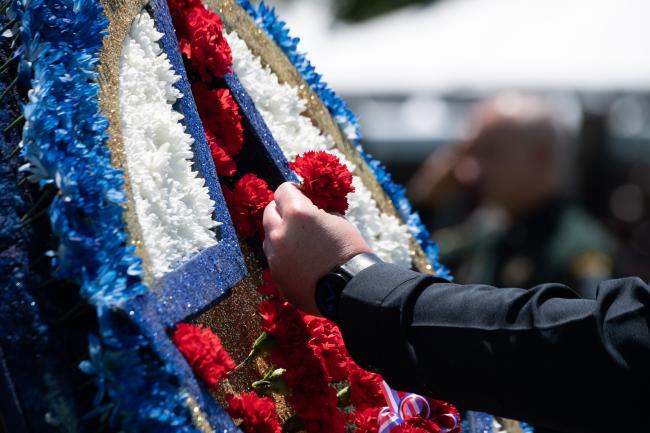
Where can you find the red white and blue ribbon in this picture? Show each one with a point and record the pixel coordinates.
(409, 405)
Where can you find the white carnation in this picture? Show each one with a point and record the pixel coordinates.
(172, 203)
(279, 104)
(281, 107)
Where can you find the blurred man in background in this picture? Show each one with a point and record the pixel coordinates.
(524, 231)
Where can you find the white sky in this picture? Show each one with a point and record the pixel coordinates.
(481, 45)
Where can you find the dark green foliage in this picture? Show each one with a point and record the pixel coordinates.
(359, 10)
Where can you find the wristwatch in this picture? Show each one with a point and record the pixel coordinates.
(331, 285)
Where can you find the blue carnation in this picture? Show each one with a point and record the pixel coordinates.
(64, 144)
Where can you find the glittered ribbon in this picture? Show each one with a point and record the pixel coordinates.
(409, 405)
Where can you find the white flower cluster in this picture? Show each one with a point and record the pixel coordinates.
(281, 107)
(171, 201)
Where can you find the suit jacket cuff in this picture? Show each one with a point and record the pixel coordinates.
(373, 317)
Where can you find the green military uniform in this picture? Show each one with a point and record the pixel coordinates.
(559, 242)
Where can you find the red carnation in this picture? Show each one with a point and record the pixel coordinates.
(314, 401)
(283, 321)
(270, 312)
(268, 287)
(325, 180)
(312, 398)
(258, 414)
(222, 123)
(203, 350)
(246, 203)
(228, 122)
(332, 421)
(223, 162)
(327, 343)
(201, 39)
(365, 420)
(365, 388)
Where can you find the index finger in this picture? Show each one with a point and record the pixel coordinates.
(271, 218)
(288, 195)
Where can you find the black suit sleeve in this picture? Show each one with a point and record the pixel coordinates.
(541, 355)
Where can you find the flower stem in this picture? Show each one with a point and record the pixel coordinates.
(262, 345)
(16, 121)
(4, 7)
(8, 63)
(13, 153)
(250, 356)
(34, 218)
(45, 196)
(241, 364)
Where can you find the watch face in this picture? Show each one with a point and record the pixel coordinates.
(328, 293)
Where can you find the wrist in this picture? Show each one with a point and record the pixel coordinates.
(330, 287)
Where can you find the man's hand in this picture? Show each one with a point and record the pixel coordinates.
(303, 243)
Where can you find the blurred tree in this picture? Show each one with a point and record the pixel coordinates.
(356, 10)
(359, 10)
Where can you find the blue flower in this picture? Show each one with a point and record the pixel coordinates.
(64, 144)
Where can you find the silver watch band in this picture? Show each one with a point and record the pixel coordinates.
(358, 263)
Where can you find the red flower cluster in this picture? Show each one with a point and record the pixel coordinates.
(311, 349)
(327, 344)
(246, 203)
(203, 350)
(222, 123)
(365, 395)
(365, 388)
(325, 180)
(258, 414)
(282, 320)
(314, 401)
(365, 420)
(208, 56)
(200, 37)
(268, 287)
